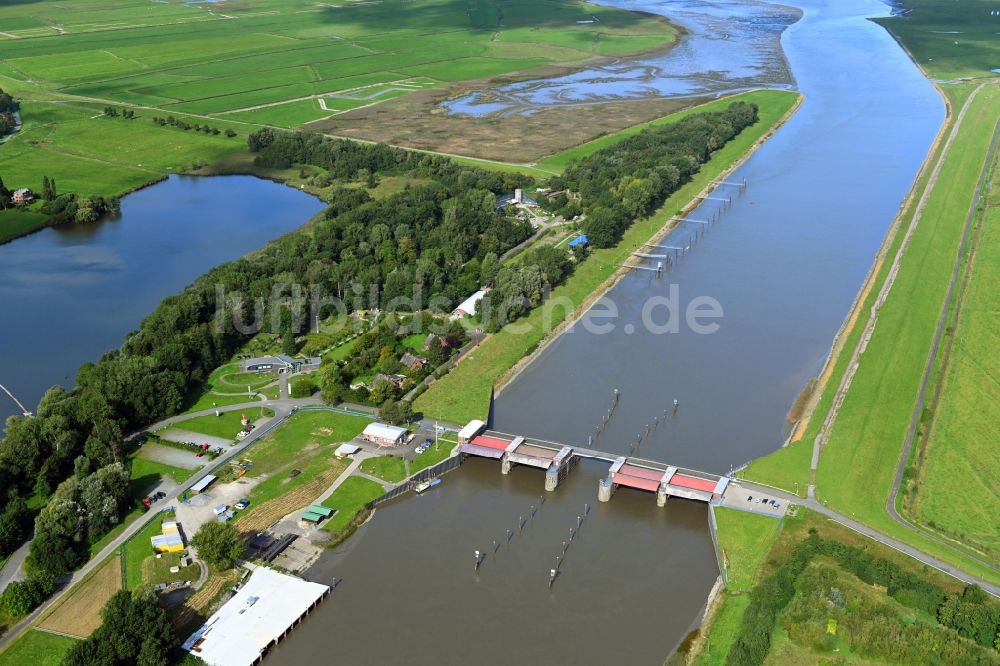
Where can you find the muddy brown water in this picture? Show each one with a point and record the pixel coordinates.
(784, 261)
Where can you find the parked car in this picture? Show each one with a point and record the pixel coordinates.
(242, 504)
(241, 434)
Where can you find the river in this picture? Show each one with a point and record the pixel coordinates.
(784, 262)
(71, 293)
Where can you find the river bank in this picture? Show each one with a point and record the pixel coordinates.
(464, 393)
(509, 376)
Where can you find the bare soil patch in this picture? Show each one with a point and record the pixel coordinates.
(419, 121)
(79, 614)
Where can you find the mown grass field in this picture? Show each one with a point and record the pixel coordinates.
(226, 424)
(145, 473)
(38, 648)
(348, 500)
(956, 489)
(463, 394)
(387, 468)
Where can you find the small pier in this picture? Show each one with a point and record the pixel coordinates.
(557, 460)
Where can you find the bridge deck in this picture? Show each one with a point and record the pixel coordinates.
(692, 482)
(641, 472)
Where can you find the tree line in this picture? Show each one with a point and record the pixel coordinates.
(8, 105)
(175, 122)
(631, 179)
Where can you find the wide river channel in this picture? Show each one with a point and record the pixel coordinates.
(71, 293)
(784, 261)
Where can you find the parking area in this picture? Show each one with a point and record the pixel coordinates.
(178, 435)
(744, 499)
(171, 456)
(199, 509)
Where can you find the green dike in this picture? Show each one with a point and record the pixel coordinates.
(789, 467)
(744, 538)
(858, 464)
(964, 438)
(463, 394)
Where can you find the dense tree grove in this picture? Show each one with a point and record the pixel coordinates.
(71, 208)
(971, 613)
(519, 288)
(134, 631)
(7, 108)
(631, 179)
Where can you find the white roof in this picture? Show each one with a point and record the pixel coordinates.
(347, 449)
(383, 431)
(258, 614)
(471, 429)
(468, 306)
(204, 483)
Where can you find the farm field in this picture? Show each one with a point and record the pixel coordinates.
(949, 39)
(79, 613)
(239, 65)
(463, 394)
(38, 648)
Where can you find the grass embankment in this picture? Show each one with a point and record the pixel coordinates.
(858, 463)
(956, 487)
(463, 394)
(348, 500)
(38, 648)
(15, 222)
(744, 539)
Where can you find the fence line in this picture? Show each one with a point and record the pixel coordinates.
(441, 468)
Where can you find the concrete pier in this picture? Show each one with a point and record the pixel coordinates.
(505, 466)
(605, 489)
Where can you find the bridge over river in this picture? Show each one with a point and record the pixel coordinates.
(557, 460)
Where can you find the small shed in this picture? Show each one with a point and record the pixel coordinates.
(311, 517)
(203, 483)
(345, 450)
(324, 511)
(579, 241)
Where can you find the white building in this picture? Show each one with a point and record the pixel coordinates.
(259, 615)
(471, 429)
(383, 434)
(467, 308)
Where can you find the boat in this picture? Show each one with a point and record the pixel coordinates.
(426, 485)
